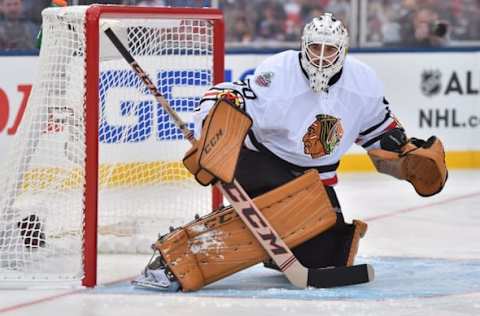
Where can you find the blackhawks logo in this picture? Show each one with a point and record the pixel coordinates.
(322, 136)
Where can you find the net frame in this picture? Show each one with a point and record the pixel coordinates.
(92, 57)
(93, 15)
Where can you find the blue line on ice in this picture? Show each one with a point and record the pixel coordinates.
(395, 278)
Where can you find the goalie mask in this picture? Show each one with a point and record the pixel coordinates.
(324, 47)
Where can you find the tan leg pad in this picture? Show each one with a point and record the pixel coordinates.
(359, 231)
(219, 244)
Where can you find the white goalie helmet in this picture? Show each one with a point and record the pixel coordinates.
(324, 47)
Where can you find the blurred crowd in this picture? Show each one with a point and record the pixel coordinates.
(390, 23)
(422, 23)
(19, 23)
(260, 23)
(271, 21)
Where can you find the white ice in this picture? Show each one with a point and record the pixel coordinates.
(426, 252)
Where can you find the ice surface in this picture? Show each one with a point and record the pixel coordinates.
(426, 254)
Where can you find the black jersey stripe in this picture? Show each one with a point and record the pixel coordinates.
(374, 127)
(372, 141)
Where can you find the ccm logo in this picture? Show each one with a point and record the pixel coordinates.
(258, 223)
(213, 141)
(261, 228)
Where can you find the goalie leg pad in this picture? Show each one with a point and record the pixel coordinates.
(216, 153)
(424, 167)
(220, 244)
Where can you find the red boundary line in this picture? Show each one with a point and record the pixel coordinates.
(56, 296)
(416, 208)
(38, 301)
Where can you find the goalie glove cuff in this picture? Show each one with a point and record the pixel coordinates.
(394, 140)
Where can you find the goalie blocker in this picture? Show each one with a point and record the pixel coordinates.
(215, 155)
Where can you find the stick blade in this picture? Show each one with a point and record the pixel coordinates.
(340, 276)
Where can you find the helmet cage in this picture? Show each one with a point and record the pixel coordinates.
(324, 59)
(323, 33)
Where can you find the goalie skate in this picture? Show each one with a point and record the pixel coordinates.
(157, 277)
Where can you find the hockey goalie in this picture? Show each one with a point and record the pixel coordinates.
(281, 135)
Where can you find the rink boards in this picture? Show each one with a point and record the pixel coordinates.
(432, 93)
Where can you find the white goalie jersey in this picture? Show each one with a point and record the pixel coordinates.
(300, 126)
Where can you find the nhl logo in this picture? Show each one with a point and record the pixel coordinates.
(431, 82)
(264, 79)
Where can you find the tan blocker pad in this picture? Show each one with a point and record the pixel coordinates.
(424, 168)
(216, 153)
(219, 244)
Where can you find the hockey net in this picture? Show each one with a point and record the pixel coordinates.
(88, 103)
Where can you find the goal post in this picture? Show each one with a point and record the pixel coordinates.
(96, 159)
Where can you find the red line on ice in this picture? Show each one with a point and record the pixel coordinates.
(53, 297)
(416, 208)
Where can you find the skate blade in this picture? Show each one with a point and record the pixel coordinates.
(144, 284)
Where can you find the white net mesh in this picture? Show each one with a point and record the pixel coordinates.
(143, 187)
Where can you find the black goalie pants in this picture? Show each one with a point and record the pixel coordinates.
(260, 172)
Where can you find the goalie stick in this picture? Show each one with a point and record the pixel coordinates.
(256, 222)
